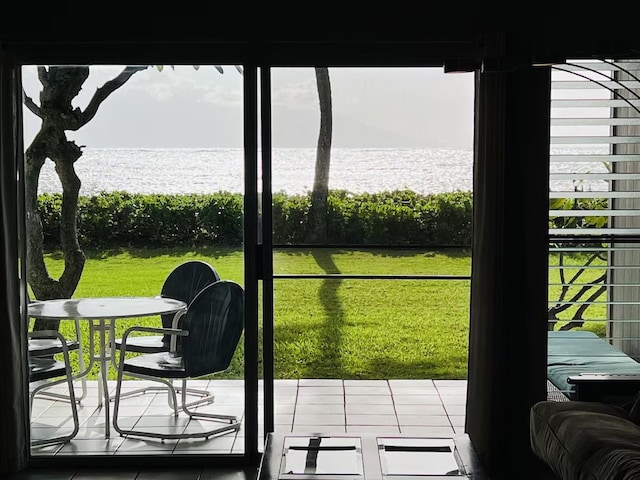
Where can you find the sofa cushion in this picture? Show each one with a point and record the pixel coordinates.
(572, 352)
(585, 440)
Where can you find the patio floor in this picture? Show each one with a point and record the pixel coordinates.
(386, 407)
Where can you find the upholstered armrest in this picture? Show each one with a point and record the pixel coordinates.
(613, 388)
(585, 440)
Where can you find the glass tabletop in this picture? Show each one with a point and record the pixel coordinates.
(104, 307)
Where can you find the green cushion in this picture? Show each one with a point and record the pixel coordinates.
(585, 440)
(580, 351)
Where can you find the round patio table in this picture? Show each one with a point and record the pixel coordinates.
(102, 313)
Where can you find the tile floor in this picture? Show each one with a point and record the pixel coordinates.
(386, 407)
(398, 407)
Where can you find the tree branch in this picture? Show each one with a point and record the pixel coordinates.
(43, 75)
(107, 89)
(31, 105)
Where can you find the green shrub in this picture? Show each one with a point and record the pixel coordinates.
(121, 219)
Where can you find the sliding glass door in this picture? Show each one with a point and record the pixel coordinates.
(130, 172)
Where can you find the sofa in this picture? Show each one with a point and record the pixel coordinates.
(584, 440)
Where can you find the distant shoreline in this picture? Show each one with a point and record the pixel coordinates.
(198, 170)
(358, 170)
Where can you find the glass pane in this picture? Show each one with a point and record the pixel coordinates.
(370, 330)
(594, 254)
(160, 183)
(372, 229)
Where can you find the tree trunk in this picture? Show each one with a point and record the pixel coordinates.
(60, 85)
(317, 230)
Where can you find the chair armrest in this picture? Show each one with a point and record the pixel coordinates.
(177, 317)
(52, 334)
(48, 334)
(171, 331)
(173, 344)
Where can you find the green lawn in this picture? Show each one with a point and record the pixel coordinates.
(324, 328)
(595, 315)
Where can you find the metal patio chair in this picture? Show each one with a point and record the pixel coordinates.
(210, 331)
(53, 346)
(183, 283)
(45, 372)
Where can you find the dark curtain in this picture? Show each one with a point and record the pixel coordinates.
(14, 441)
(508, 323)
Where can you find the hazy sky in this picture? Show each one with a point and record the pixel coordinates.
(185, 107)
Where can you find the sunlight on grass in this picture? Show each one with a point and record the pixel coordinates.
(334, 328)
(371, 329)
(350, 329)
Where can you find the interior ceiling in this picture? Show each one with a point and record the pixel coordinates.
(326, 35)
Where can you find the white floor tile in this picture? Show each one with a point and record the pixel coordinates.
(305, 406)
(368, 400)
(456, 409)
(360, 409)
(367, 429)
(318, 419)
(380, 420)
(320, 399)
(303, 391)
(376, 390)
(314, 382)
(366, 383)
(420, 410)
(424, 420)
(417, 400)
(424, 431)
(103, 446)
(313, 409)
(319, 430)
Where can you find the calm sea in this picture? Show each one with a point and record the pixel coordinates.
(183, 170)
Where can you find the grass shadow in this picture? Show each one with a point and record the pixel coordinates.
(208, 251)
(330, 339)
(385, 368)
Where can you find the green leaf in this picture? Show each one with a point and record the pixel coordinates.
(557, 203)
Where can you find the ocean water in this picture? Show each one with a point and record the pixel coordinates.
(184, 170)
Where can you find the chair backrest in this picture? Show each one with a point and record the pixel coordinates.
(215, 321)
(185, 282)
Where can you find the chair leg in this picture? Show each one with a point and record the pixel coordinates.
(233, 423)
(66, 398)
(172, 391)
(212, 416)
(206, 396)
(119, 395)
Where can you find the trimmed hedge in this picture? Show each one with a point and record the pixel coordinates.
(121, 219)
